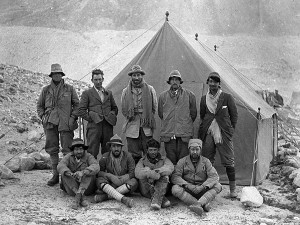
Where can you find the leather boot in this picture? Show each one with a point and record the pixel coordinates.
(84, 202)
(100, 198)
(197, 208)
(55, 178)
(165, 203)
(127, 201)
(232, 187)
(77, 201)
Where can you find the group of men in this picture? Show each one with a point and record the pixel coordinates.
(187, 168)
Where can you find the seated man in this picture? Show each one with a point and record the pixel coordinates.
(153, 172)
(78, 171)
(116, 176)
(196, 181)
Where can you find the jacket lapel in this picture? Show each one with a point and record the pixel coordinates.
(220, 102)
(105, 93)
(96, 95)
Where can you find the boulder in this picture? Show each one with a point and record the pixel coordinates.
(293, 161)
(34, 135)
(13, 164)
(36, 156)
(298, 194)
(45, 156)
(296, 181)
(6, 173)
(287, 170)
(41, 165)
(26, 163)
(251, 197)
(294, 174)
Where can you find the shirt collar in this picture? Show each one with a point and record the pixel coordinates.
(102, 89)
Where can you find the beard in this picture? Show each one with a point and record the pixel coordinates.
(174, 87)
(137, 81)
(116, 153)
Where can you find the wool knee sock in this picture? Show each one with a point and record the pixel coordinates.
(123, 189)
(111, 192)
(208, 196)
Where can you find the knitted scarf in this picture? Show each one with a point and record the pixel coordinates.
(116, 163)
(211, 103)
(175, 94)
(147, 118)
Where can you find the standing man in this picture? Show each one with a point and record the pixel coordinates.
(98, 107)
(177, 111)
(57, 107)
(78, 172)
(196, 181)
(153, 171)
(116, 176)
(219, 116)
(139, 104)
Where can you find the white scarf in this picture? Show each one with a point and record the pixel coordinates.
(211, 103)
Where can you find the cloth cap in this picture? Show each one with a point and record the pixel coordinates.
(136, 69)
(175, 73)
(56, 68)
(215, 76)
(77, 142)
(115, 140)
(195, 143)
(97, 71)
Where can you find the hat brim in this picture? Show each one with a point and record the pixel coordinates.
(85, 147)
(117, 143)
(168, 81)
(50, 75)
(137, 71)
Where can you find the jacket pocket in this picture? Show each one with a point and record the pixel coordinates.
(111, 118)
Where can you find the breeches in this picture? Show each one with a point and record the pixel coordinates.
(147, 186)
(70, 185)
(137, 146)
(53, 136)
(225, 150)
(97, 134)
(176, 149)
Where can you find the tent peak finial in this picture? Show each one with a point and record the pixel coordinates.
(167, 15)
(196, 36)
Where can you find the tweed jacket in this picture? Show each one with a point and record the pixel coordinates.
(127, 165)
(58, 108)
(177, 115)
(226, 115)
(92, 109)
(164, 166)
(88, 164)
(203, 174)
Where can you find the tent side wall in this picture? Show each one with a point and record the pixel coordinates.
(265, 149)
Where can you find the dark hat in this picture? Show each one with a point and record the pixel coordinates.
(215, 76)
(56, 68)
(97, 71)
(115, 140)
(77, 142)
(136, 69)
(175, 73)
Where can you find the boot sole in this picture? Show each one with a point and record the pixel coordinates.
(196, 209)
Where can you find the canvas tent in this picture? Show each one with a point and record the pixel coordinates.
(254, 140)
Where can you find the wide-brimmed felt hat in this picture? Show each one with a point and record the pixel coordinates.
(136, 69)
(56, 68)
(77, 142)
(115, 140)
(175, 73)
(195, 143)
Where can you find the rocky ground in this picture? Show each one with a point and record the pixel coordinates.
(26, 199)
